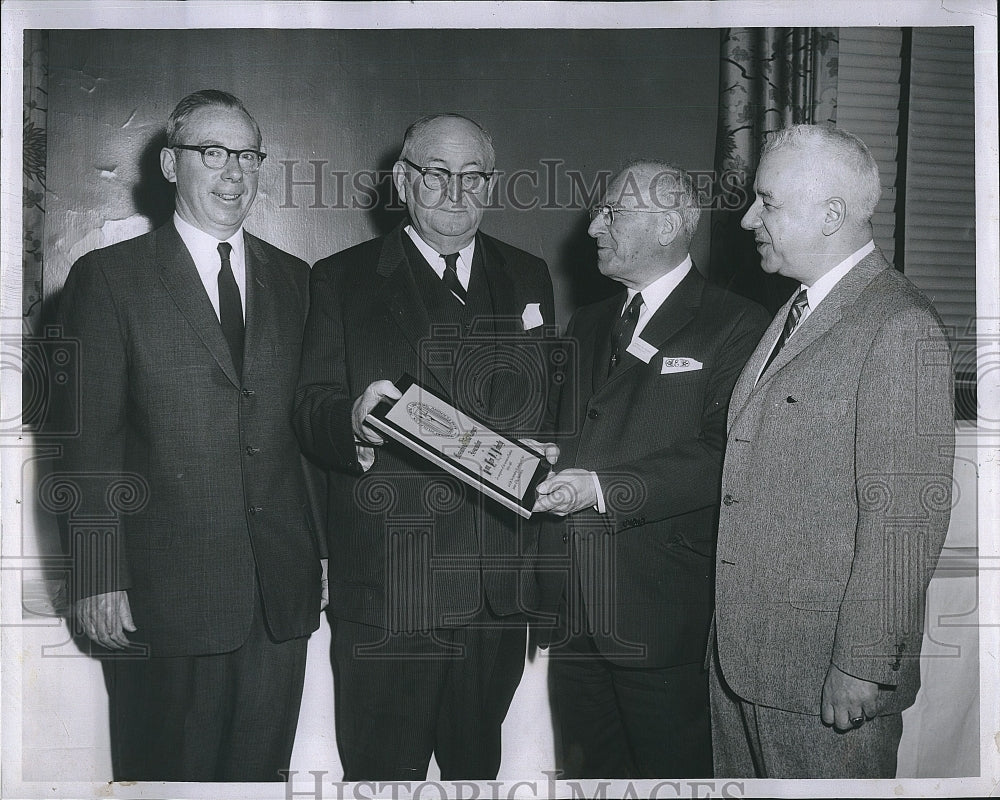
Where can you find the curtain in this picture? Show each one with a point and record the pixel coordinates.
(36, 69)
(769, 78)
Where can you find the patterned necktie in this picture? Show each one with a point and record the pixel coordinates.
(621, 337)
(450, 277)
(799, 306)
(230, 308)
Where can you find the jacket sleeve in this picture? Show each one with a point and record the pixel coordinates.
(903, 470)
(95, 459)
(322, 417)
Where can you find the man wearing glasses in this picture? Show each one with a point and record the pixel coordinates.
(627, 574)
(203, 597)
(426, 584)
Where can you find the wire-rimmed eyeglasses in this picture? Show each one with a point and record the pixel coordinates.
(437, 178)
(607, 211)
(215, 156)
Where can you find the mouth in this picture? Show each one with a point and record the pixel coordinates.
(228, 198)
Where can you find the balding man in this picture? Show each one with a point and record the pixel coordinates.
(628, 572)
(836, 485)
(426, 583)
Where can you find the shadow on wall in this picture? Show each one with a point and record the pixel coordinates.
(153, 194)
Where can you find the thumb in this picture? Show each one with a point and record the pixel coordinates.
(125, 612)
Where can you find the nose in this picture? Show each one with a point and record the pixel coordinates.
(751, 219)
(596, 226)
(454, 188)
(232, 171)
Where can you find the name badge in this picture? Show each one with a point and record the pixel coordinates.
(644, 351)
(672, 364)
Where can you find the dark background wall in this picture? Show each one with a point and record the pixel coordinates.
(558, 103)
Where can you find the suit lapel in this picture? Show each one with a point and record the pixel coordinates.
(675, 312)
(259, 297)
(601, 343)
(827, 313)
(406, 307)
(181, 280)
(844, 294)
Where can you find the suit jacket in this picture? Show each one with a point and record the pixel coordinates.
(220, 505)
(654, 434)
(413, 548)
(836, 496)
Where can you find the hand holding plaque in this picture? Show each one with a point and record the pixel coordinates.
(503, 469)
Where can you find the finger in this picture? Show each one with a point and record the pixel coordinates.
(125, 614)
(827, 713)
(369, 435)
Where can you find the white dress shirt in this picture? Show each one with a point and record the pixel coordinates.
(463, 266)
(204, 250)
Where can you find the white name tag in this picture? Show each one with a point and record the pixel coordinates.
(672, 364)
(644, 351)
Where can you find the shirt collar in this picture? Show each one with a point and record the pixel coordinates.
(654, 295)
(821, 288)
(198, 241)
(433, 257)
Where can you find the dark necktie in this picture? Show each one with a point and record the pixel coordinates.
(799, 305)
(450, 277)
(621, 336)
(230, 308)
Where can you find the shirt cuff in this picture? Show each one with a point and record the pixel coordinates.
(599, 505)
(366, 456)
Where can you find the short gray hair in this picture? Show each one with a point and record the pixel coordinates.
(202, 99)
(841, 150)
(672, 189)
(411, 139)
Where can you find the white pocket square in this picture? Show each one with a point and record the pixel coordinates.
(672, 364)
(531, 317)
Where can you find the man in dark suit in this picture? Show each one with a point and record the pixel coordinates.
(428, 577)
(629, 573)
(836, 485)
(189, 341)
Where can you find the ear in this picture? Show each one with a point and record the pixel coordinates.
(670, 228)
(168, 164)
(834, 216)
(399, 180)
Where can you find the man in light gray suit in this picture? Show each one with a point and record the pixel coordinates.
(836, 486)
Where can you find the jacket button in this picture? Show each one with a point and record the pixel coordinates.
(593, 413)
(252, 451)
(247, 392)
(565, 538)
(255, 509)
(728, 500)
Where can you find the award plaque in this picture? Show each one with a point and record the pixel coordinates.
(501, 468)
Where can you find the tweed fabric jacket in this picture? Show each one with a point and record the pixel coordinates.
(836, 496)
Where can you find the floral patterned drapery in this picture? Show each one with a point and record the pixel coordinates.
(36, 68)
(769, 78)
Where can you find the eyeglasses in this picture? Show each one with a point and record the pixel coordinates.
(608, 211)
(437, 178)
(215, 156)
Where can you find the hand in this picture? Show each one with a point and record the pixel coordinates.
(565, 492)
(551, 450)
(847, 698)
(324, 594)
(373, 395)
(105, 618)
